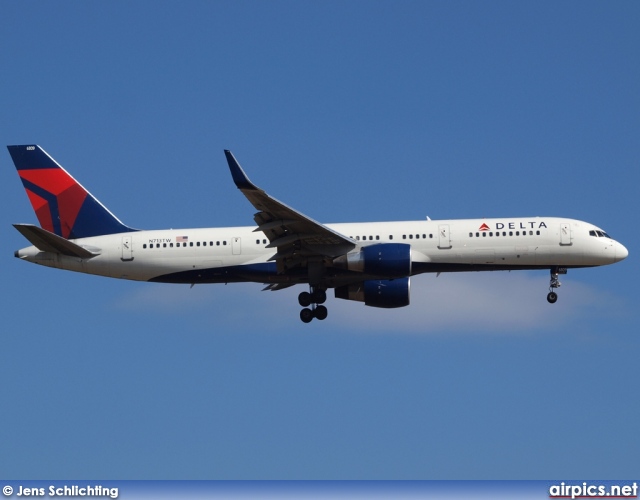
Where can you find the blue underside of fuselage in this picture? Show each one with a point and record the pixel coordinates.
(260, 273)
(267, 273)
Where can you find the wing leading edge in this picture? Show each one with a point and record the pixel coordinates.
(299, 240)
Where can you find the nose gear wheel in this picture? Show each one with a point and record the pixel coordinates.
(554, 282)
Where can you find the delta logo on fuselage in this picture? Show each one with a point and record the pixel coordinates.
(514, 225)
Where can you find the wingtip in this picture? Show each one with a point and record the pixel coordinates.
(239, 177)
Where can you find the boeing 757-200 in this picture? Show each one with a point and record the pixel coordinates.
(367, 262)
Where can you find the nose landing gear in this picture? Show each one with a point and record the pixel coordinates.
(554, 282)
(314, 298)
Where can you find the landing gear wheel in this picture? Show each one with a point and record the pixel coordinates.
(306, 315)
(304, 299)
(552, 297)
(319, 297)
(313, 298)
(321, 312)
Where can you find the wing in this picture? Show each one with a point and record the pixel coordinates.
(297, 238)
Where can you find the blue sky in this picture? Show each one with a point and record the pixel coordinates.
(347, 111)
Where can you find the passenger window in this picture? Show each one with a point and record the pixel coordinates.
(538, 233)
(470, 235)
(391, 236)
(484, 235)
(164, 245)
(377, 236)
(491, 233)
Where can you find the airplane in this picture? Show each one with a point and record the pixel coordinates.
(369, 262)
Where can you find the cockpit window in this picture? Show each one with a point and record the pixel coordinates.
(599, 234)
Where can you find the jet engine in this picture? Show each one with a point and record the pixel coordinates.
(377, 293)
(390, 260)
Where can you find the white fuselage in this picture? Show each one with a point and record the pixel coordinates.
(233, 254)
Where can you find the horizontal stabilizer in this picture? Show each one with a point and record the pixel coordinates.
(49, 242)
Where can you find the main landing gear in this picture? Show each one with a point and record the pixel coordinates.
(554, 283)
(314, 298)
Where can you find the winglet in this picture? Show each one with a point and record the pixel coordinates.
(239, 177)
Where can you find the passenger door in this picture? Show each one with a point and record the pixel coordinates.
(236, 248)
(127, 248)
(444, 239)
(565, 233)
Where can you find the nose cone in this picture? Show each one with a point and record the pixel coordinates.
(621, 252)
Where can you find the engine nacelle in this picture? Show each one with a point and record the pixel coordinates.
(384, 259)
(377, 293)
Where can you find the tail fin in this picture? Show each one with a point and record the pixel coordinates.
(62, 205)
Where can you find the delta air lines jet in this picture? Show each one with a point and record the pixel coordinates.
(367, 262)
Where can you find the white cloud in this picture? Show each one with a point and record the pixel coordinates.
(489, 302)
(467, 302)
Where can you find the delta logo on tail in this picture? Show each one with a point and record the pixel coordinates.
(56, 207)
(61, 204)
